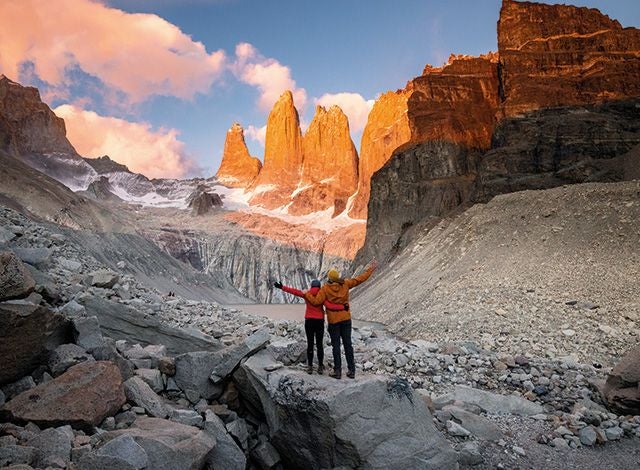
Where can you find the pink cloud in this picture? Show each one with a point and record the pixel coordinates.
(139, 55)
(268, 75)
(259, 134)
(156, 154)
(353, 105)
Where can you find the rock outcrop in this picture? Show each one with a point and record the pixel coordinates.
(621, 391)
(238, 169)
(387, 128)
(329, 166)
(558, 55)
(15, 279)
(202, 201)
(372, 422)
(282, 156)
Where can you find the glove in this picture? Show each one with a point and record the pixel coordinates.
(346, 306)
(277, 285)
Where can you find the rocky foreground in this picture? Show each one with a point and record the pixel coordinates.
(103, 371)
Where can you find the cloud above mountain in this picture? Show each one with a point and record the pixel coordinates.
(138, 55)
(156, 154)
(353, 105)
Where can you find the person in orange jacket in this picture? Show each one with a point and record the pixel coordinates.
(313, 321)
(337, 292)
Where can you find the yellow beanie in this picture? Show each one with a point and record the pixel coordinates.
(333, 274)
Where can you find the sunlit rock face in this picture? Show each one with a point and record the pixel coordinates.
(329, 165)
(238, 169)
(282, 156)
(557, 55)
(387, 128)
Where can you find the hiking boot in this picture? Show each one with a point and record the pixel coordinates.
(320, 369)
(336, 374)
(309, 370)
(351, 374)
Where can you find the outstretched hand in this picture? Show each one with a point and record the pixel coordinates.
(277, 285)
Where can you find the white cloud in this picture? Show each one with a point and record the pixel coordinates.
(268, 75)
(259, 134)
(137, 55)
(156, 154)
(353, 105)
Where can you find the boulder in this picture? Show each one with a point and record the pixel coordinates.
(492, 403)
(138, 392)
(86, 331)
(19, 386)
(15, 279)
(226, 453)
(371, 422)
(28, 334)
(83, 397)
(187, 417)
(92, 461)
(229, 358)
(479, 426)
(65, 356)
(152, 377)
(37, 257)
(621, 391)
(16, 455)
(103, 279)
(287, 351)
(168, 445)
(266, 455)
(121, 322)
(52, 442)
(126, 448)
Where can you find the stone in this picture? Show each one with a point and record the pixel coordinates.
(167, 365)
(229, 358)
(238, 429)
(266, 455)
(375, 421)
(28, 335)
(52, 442)
(559, 443)
(38, 257)
(126, 448)
(3, 398)
(226, 454)
(621, 391)
(15, 279)
(140, 393)
(121, 322)
(83, 397)
(103, 279)
(92, 461)
(287, 351)
(108, 352)
(152, 377)
(480, 427)
(13, 454)
(614, 433)
(186, 417)
(87, 333)
(70, 264)
(455, 429)
(470, 454)
(73, 309)
(192, 375)
(238, 168)
(202, 202)
(65, 356)
(494, 403)
(588, 436)
(280, 173)
(6, 235)
(169, 445)
(18, 387)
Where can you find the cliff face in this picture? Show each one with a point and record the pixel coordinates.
(238, 169)
(387, 128)
(282, 156)
(329, 166)
(559, 107)
(558, 55)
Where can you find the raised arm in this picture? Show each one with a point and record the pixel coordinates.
(362, 277)
(293, 291)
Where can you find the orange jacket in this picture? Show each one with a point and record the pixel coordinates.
(338, 293)
(313, 311)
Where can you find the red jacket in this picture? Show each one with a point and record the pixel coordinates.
(313, 311)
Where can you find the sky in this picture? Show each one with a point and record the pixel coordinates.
(155, 84)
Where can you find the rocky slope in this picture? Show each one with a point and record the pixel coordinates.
(238, 169)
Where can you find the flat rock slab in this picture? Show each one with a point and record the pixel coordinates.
(169, 445)
(477, 425)
(140, 393)
(83, 397)
(226, 453)
(121, 322)
(318, 422)
(27, 336)
(493, 403)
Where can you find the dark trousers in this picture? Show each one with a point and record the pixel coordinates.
(342, 331)
(315, 330)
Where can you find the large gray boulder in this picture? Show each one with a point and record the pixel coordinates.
(121, 322)
(86, 331)
(27, 336)
(316, 422)
(621, 391)
(139, 392)
(65, 356)
(52, 442)
(492, 403)
(125, 448)
(169, 445)
(38, 257)
(226, 455)
(201, 374)
(15, 279)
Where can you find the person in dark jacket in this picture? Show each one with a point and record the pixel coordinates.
(337, 292)
(313, 321)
